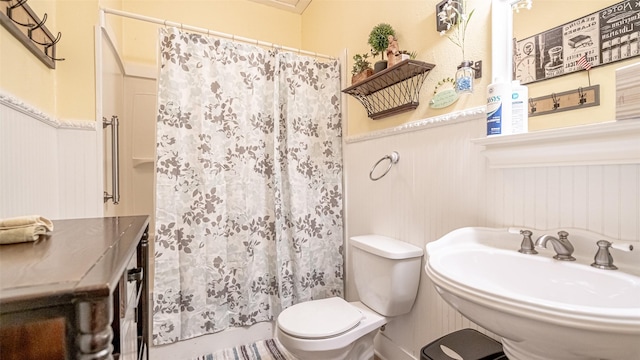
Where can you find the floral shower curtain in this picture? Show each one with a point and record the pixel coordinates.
(248, 184)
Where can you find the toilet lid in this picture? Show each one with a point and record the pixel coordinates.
(319, 318)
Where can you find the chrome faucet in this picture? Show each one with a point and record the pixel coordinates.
(603, 258)
(561, 245)
(526, 247)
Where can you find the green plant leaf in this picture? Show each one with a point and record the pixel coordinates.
(378, 38)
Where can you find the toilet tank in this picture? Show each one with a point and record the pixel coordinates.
(386, 272)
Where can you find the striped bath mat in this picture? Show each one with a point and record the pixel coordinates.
(261, 350)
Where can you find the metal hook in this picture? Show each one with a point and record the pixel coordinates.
(583, 96)
(19, 3)
(10, 9)
(532, 105)
(556, 101)
(51, 46)
(35, 27)
(54, 58)
(41, 23)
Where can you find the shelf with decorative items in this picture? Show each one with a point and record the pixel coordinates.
(361, 68)
(393, 90)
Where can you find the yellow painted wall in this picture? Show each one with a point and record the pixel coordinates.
(238, 17)
(68, 92)
(75, 77)
(328, 26)
(546, 15)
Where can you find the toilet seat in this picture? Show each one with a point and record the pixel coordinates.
(318, 319)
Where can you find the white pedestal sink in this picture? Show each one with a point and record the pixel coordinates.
(541, 307)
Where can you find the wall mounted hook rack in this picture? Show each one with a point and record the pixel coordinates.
(23, 23)
(579, 98)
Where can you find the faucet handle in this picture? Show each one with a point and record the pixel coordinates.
(622, 246)
(526, 247)
(603, 258)
(563, 235)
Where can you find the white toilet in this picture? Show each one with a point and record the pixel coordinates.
(386, 272)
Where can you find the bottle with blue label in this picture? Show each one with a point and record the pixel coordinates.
(519, 108)
(499, 108)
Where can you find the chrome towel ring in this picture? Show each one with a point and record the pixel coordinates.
(393, 158)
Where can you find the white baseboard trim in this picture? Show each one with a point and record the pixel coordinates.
(385, 349)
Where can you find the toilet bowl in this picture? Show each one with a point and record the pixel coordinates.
(329, 329)
(386, 274)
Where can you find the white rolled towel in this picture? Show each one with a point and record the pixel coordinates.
(23, 228)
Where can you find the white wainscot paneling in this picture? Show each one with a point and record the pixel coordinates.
(80, 191)
(443, 181)
(29, 165)
(48, 167)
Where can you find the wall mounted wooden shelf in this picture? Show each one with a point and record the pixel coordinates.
(393, 90)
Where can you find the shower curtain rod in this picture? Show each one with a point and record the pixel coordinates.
(210, 32)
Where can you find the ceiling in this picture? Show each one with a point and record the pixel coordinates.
(296, 6)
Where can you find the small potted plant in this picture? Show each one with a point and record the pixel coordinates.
(379, 42)
(405, 55)
(361, 68)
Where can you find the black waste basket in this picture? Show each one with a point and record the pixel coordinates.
(469, 344)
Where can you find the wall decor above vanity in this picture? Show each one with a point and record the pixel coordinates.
(602, 37)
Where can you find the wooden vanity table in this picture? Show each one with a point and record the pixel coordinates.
(81, 293)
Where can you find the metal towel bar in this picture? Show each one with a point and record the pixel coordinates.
(393, 158)
(115, 160)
